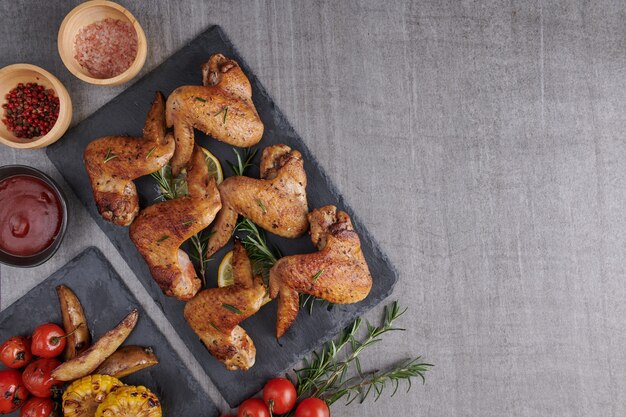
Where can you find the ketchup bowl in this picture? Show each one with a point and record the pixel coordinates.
(33, 216)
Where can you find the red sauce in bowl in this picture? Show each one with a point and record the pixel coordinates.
(30, 215)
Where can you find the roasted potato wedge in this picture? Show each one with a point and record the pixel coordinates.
(127, 360)
(85, 363)
(74, 323)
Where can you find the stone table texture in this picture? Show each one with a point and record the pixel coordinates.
(483, 144)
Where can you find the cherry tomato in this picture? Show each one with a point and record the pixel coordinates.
(253, 408)
(48, 341)
(39, 407)
(38, 380)
(15, 352)
(12, 390)
(312, 407)
(280, 395)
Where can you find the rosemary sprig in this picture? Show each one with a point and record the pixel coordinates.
(199, 244)
(261, 255)
(170, 189)
(167, 186)
(326, 376)
(243, 162)
(361, 386)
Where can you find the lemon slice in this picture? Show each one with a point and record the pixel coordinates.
(225, 275)
(215, 168)
(225, 271)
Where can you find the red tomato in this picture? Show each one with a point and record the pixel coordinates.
(280, 395)
(13, 391)
(48, 341)
(38, 380)
(39, 407)
(253, 408)
(312, 407)
(15, 352)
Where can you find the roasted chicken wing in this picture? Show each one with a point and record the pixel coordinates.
(161, 228)
(222, 107)
(276, 202)
(214, 314)
(337, 273)
(113, 162)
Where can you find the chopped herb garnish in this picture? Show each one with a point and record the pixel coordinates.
(225, 111)
(162, 238)
(150, 152)
(214, 326)
(201, 99)
(110, 155)
(317, 275)
(232, 308)
(187, 223)
(260, 203)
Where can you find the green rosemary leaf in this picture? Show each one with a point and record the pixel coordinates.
(232, 308)
(260, 204)
(162, 238)
(109, 156)
(223, 111)
(317, 275)
(200, 99)
(215, 327)
(150, 152)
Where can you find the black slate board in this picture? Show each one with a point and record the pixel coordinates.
(125, 114)
(106, 300)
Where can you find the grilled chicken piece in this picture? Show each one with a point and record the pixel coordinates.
(113, 162)
(161, 228)
(276, 202)
(215, 313)
(337, 273)
(222, 107)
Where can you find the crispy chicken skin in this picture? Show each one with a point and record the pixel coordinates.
(215, 313)
(161, 228)
(222, 107)
(276, 202)
(113, 162)
(337, 273)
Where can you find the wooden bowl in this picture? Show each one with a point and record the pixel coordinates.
(25, 73)
(86, 14)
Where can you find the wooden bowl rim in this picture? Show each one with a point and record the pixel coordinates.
(65, 109)
(142, 46)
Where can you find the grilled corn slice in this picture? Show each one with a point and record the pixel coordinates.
(81, 399)
(130, 401)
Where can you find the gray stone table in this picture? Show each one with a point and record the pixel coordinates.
(483, 143)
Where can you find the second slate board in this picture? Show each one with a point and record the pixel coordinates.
(106, 300)
(125, 114)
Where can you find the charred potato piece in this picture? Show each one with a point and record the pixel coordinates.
(89, 360)
(74, 323)
(128, 360)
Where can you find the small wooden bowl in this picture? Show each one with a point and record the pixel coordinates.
(14, 74)
(86, 14)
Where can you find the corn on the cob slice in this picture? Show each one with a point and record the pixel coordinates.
(81, 399)
(130, 401)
